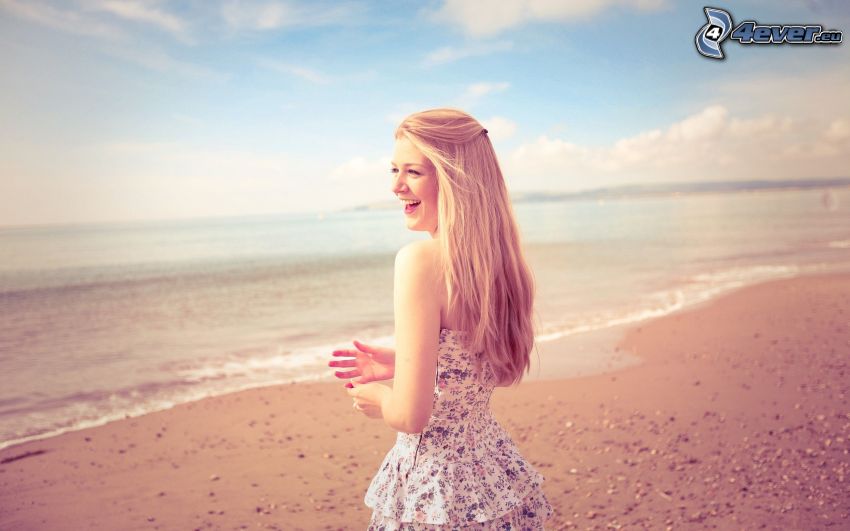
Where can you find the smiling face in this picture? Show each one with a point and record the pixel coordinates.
(415, 178)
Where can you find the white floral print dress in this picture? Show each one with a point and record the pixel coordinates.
(463, 470)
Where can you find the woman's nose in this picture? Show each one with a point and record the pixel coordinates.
(398, 183)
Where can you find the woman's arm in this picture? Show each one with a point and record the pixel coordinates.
(416, 304)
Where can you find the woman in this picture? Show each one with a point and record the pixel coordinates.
(463, 303)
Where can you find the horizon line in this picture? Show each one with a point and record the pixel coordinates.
(555, 195)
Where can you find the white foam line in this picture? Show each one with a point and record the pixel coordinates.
(706, 286)
(155, 406)
(303, 358)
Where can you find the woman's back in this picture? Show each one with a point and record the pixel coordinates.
(463, 469)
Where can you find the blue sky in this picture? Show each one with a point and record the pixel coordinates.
(127, 110)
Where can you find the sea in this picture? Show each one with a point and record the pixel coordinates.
(101, 322)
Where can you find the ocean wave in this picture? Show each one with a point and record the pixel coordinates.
(688, 292)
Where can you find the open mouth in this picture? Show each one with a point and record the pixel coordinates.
(410, 207)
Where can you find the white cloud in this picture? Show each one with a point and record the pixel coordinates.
(838, 131)
(146, 13)
(832, 142)
(708, 145)
(271, 15)
(481, 17)
(557, 10)
(449, 54)
(473, 93)
(294, 70)
(121, 45)
(359, 167)
(484, 17)
(160, 61)
(478, 90)
(359, 180)
(256, 16)
(62, 19)
(787, 88)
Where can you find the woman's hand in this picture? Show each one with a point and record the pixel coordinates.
(370, 363)
(367, 398)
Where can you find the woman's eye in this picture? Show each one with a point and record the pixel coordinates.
(414, 172)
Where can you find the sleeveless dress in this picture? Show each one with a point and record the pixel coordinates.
(463, 470)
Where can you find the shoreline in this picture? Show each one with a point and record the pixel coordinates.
(713, 427)
(592, 352)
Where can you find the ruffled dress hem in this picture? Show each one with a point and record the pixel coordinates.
(530, 515)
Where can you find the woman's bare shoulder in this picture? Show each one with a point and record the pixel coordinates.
(420, 260)
(420, 250)
(421, 256)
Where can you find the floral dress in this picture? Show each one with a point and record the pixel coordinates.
(463, 470)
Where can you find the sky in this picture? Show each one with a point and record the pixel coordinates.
(127, 110)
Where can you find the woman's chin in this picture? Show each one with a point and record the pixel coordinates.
(413, 225)
(417, 224)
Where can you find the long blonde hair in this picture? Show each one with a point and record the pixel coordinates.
(491, 288)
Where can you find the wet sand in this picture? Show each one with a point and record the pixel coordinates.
(737, 418)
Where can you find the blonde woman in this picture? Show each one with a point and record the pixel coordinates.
(463, 303)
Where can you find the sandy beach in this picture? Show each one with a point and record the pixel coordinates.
(737, 418)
